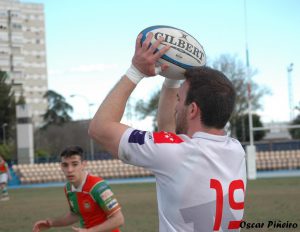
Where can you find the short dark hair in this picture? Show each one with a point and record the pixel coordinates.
(72, 150)
(213, 93)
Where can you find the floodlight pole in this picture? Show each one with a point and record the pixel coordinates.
(3, 131)
(250, 149)
(251, 139)
(290, 86)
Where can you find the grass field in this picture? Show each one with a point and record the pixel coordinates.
(266, 200)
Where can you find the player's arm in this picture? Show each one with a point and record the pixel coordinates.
(166, 105)
(66, 220)
(114, 221)
(105, 128)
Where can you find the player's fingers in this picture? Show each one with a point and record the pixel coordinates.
(138, 42)
(164, 67)
(154, 47)
(76, 228)
(35, 228)
(161, 68)
(147, 41)
(161, 52)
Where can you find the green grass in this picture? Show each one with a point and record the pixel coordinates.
(266, 199)
(273, 199)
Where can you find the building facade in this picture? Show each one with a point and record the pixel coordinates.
(23, 53)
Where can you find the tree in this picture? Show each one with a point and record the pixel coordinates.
(7, 109)
(6, 150)
(149, 108)
(295, 132)
(236, 71)
(58, 109)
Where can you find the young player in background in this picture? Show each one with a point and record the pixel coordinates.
(90, 199)
(4, 177)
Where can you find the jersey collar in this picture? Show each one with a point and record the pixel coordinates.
(79, 188)
(203, 135)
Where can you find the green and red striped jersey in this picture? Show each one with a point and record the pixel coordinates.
(93, 203)
(3, 167)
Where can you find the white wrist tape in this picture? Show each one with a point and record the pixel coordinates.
(134, 74)
(170, 83)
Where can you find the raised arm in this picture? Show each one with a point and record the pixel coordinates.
(166, 105)
(105, 128)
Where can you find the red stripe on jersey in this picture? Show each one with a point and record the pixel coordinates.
(3, 167)
(166, 137)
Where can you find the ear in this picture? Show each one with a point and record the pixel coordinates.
(194, 110)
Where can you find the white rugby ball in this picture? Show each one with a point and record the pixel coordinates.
(185, 51)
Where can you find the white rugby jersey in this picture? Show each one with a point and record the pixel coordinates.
(200, 181)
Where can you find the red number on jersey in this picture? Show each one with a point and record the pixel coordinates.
(234, 185)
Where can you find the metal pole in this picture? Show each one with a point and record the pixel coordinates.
(250, 149)
(290, 87)
(249, 80)
(251, 137)
(3, 130)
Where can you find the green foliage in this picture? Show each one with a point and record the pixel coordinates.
(21, 100)
(7, 109)
(6, 151)
(149, 108)
(242, 128)
(40, 153)
(58, 109)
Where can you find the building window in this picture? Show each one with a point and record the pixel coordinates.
(3, 27)
(16, 26)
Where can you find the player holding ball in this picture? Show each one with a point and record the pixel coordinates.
(200, 171)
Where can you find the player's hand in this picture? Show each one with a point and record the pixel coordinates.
(146, 55)
(41, 225)
(79, 229)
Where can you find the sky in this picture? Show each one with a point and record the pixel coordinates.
(90, 44)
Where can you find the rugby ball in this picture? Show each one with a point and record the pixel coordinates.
(185, 51)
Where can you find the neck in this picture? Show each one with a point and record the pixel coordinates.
(79, 182)
(209, 130)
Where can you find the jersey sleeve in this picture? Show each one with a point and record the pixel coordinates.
(105, 198)
(151, 150)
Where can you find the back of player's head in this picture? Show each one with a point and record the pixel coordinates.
(72, 150)
(213, 93)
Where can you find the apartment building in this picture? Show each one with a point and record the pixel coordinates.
(23, 52)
